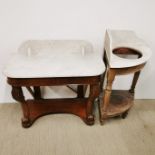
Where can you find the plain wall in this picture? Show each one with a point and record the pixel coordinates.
(76, 19)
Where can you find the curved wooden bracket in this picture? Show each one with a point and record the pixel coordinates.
(17, 94)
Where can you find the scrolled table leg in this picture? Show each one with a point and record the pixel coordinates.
(94, 92)
(17, 94)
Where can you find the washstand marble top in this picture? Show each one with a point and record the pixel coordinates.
(125, 39)
(54, 58)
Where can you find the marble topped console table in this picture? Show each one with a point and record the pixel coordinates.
(54, 63)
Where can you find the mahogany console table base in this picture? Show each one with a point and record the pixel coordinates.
(37, 107)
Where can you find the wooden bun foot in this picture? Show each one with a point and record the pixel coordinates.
(90, 120)
(102, 121)
(26, 123)
(124, 115)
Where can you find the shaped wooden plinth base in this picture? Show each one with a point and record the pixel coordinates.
(41, 107)
(120, 103)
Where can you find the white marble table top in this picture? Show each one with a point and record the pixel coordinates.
(127, 39)
(54, 58)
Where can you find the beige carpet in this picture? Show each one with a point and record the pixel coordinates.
(65, 134)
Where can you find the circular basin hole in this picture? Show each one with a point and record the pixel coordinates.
(127, 53)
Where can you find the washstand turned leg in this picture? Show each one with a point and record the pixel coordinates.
(132, 90)
(134, 82)
(106, 97)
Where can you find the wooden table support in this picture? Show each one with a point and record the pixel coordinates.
(38, 106)
(117, 102)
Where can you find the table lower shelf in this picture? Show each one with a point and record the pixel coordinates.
(37, 108)
(120, 102)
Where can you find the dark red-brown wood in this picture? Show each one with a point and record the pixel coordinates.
(38, 106)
